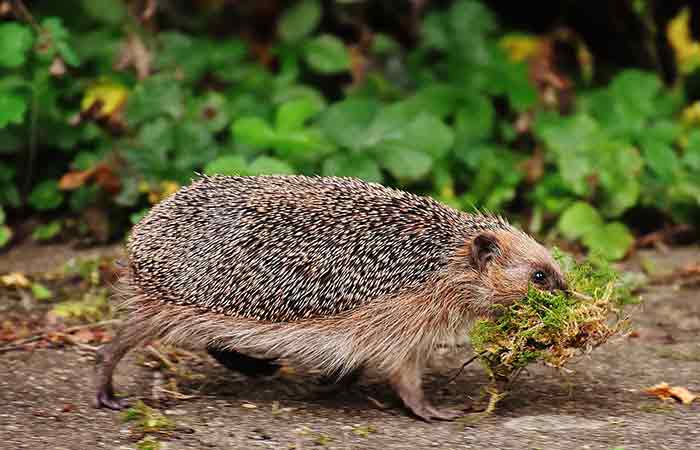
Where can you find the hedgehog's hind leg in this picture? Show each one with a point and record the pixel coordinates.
(247, 365)
(108, 356)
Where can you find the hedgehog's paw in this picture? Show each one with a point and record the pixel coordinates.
(106, 398)
(427, 412)
(444, 414)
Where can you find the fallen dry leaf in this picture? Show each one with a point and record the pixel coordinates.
(75, 179)
(665, 392)
(84, 336)
(15, 279)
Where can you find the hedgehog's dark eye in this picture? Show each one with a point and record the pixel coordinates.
(539, 277)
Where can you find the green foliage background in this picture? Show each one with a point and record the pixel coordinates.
(100, 109)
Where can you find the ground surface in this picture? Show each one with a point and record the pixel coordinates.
(46, 394)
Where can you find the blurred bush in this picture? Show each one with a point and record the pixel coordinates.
(105, 110)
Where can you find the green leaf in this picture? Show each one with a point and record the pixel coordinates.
(155, 96)
(406, 165)
(157, 136)
(40, 292)
(438, 99)
(292, 115)
(212, 110)
(12, 109)
(625, 107)
(434, 31)
(398, 128)
(59, 39)
(611, 241)
(187, 54)
(474, 121)
(387, 123)
(469, 18)
(691, 157)
(579, 220)
(619, 167)
(227, 165)
(383, 44)
(110, 12)
(266, 165)
(3, 216)
(194, 147)
(299, 20)
(574, 141)
(661, 159)
(47, 231)
(137, 216)
(426, 133)
(327, 54)
(304, 145)
(345, 121)
(15, 41)
(353, 165)
(253, 131)
(636, 87)
(46, 196)
(5, 235)
(85, 160)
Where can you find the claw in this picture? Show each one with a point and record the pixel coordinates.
(444, 414)
(109, 400)
(426, 412)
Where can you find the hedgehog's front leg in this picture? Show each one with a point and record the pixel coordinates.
(408, 385)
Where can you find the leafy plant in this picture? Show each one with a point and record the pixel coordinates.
(98, 111)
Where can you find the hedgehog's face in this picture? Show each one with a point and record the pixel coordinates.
(508, 262)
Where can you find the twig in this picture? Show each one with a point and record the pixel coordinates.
(581, 296)
(162, 358)
(469, 361)
(19, 344)
(662, 235)
(75, 342)
(24, 12)
(176, 395)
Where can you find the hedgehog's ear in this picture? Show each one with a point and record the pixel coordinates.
(484, 249)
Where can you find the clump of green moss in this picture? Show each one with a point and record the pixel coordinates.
(553, 327)
(145, 419)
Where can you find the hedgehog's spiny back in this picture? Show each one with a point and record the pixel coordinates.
(284, 248)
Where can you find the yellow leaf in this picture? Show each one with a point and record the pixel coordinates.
(166, 189)
(519, 47)
(15, 279)
(169, 188)
(110, 95)
(686, 50)
(691, 114)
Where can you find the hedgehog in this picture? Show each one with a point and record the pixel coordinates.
(332, 273)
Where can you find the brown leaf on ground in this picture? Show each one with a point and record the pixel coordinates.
(84, 336)
(665, 392)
